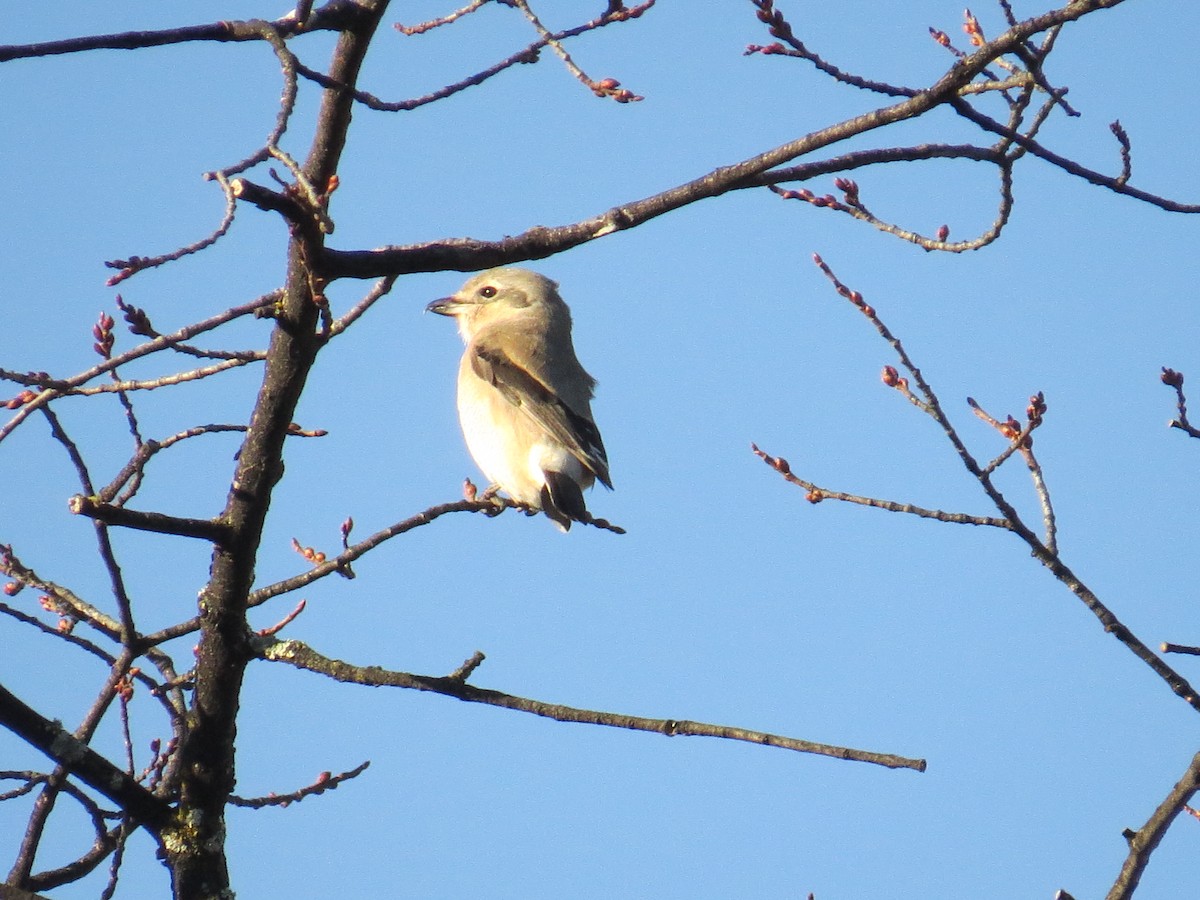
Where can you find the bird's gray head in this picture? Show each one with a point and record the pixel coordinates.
(503, 295)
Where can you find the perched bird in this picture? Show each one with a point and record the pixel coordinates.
(524, 401)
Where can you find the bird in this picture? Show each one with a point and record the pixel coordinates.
(524, 399)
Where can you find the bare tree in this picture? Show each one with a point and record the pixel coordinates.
(998, 86)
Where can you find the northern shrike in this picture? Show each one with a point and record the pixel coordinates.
(524, 401)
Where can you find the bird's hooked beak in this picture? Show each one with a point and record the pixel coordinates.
(446, 306)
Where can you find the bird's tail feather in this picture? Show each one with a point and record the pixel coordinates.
(562, 500)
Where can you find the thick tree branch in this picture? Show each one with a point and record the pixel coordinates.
(204, 529)
(82, 761)
(206, 756)
(330, 17)
(469, 254)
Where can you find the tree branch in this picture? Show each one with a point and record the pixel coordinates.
(205, 529)
(1145, 840)
(304, 657)
(83, 762)
(470, 254)
(332, 16)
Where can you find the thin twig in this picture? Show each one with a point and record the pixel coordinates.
(150, 384)
(779, 28)
(605, 87)
(325, 782)
(1070, 166)
(127, 268)
(380, 290)
(340, 564)
(429, 25)
(107, 553)
(527, 54)
(815, 494)
(137, 464)
(54, 388)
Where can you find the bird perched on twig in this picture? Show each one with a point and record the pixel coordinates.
(524, 401)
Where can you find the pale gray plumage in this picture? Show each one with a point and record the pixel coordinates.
(524, 401)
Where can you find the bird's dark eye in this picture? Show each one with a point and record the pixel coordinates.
(487, 293)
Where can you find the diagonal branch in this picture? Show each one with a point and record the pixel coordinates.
(1116, 184)
(340, 564)
(1044, 551)
(1146, 839)
(82, 761)
(325, 782)
(469, 254)
(303, 657)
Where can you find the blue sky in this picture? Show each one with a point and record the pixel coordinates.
(730, 600)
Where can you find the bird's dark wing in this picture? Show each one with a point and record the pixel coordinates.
(535, 398)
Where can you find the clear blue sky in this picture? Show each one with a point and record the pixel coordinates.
(730, 600)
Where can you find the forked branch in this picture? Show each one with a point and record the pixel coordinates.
(1019, 437)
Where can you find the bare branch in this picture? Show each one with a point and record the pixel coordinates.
(52, 388)
(303, 657)
(1115, 184)
(130, 267)
(381, 289)
(1043, 551)
(136, 466)
(1174, 379)
(204, 529)
(82, 761)
(816, 494)
(778, 27)
(325, 782)
(852, 205)
(431, 24)
(102, 844)
(332, 16)
(1144, 841)
(606, 87)
(1179, 648)
(150, 384)
(529, 54)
